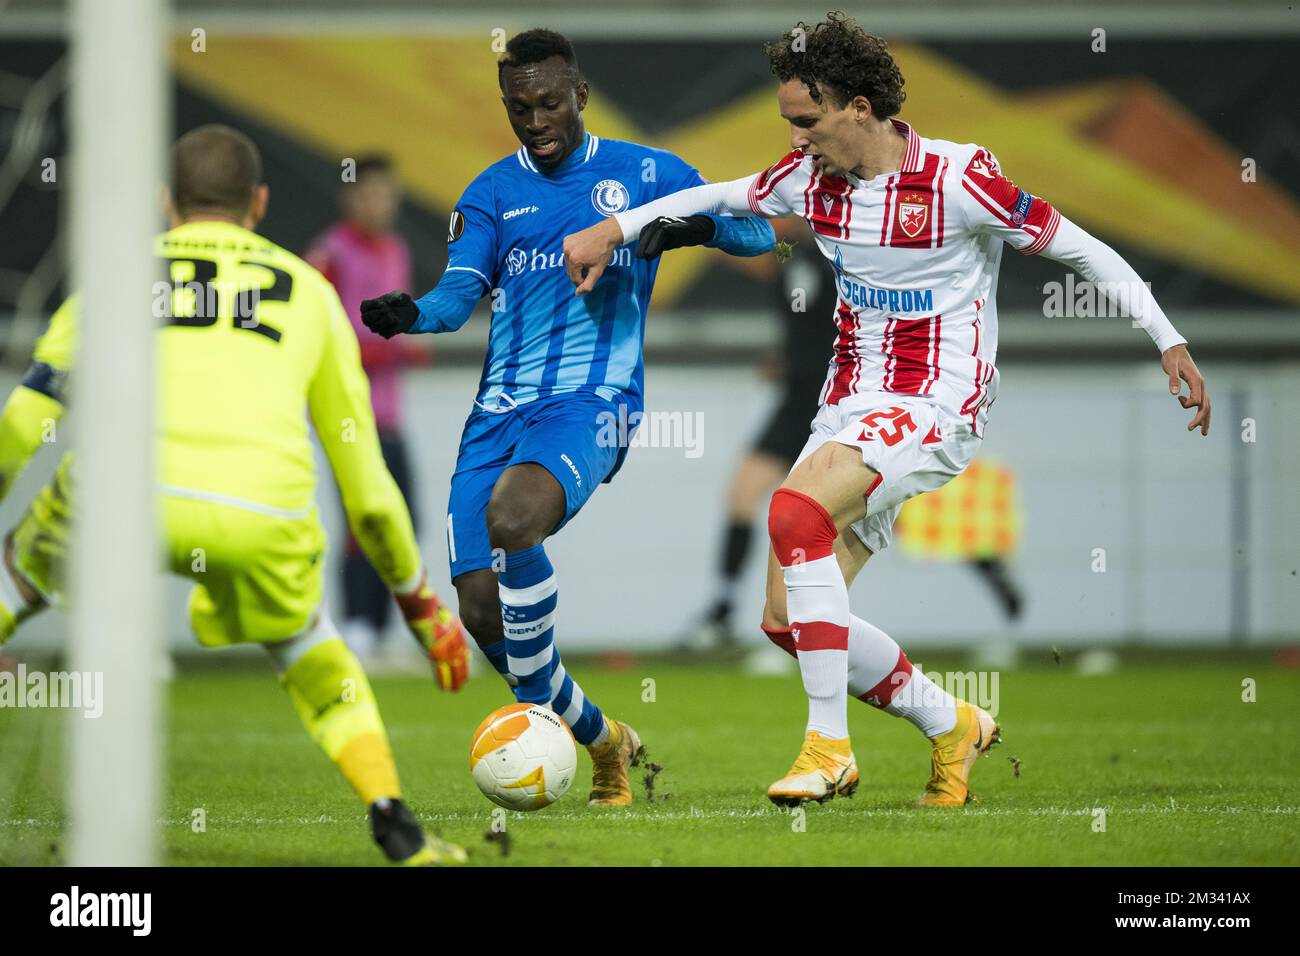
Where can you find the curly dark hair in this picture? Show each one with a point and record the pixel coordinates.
(839, 60)
(534, 46)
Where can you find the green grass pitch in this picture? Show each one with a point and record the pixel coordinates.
(1184, 770)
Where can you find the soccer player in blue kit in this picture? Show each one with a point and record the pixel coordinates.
(558, 371)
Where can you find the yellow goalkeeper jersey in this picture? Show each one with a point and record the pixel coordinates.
(253, 341)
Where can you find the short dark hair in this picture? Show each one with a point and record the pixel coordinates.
(838, 60)
(373, 163)
(214, 167)
(534, 46)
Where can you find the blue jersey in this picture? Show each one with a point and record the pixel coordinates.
(508, 231)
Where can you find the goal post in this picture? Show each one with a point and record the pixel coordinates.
(118, 96)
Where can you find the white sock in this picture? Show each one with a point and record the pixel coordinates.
(817, 603)
(873, 658)
(881, 675)
(927, 705)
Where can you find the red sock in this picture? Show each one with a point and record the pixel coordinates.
(889, 685)
(782, 638)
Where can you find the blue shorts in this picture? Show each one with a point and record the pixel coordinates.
(578, 437)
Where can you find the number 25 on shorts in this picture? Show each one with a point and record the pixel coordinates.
(891, 425)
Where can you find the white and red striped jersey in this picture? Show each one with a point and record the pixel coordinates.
(916, 255)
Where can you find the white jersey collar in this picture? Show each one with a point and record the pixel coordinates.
(583, 154)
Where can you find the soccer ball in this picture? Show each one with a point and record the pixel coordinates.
(523, 757)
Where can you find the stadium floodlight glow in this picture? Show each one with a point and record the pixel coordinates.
(117, 129)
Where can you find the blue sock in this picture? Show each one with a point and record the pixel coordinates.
(527, 589)
(528, 598)
(574, 707)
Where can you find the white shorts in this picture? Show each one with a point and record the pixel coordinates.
(913, 445)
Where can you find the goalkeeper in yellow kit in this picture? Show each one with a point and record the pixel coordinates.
(253, 340)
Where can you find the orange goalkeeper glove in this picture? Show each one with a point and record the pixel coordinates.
(439, 633)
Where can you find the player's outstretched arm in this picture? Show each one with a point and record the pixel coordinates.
(744, 236)
(393, 313)
(587, 253)
(1103, 266)
(445, 308)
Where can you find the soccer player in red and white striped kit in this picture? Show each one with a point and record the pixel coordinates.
(914, 228)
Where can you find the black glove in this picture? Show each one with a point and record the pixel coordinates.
(670, 232)
(391, 314)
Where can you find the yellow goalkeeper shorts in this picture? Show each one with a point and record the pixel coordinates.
(257, 571)
(258, 574)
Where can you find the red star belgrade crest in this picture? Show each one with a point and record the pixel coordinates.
(912, 213)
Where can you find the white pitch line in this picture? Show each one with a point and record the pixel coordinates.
(216, 821)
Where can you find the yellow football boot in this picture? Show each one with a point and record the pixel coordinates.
(824, 769)
(954, 754)
(609, 765)
(435, 852)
